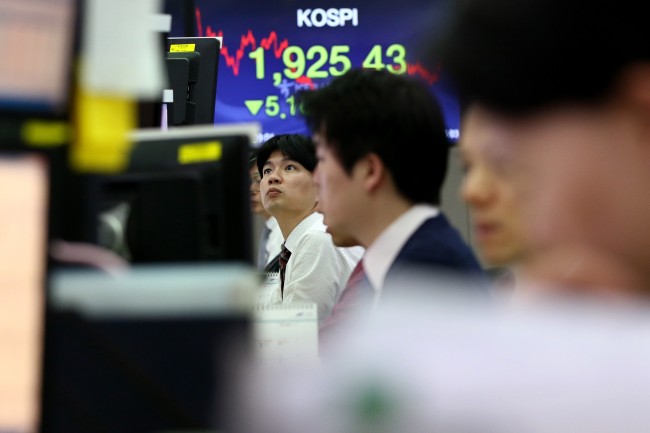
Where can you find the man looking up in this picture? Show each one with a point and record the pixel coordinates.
(312, 268)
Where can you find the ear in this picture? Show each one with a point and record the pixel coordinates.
(634, 85)
(633, 89)
(372, 170)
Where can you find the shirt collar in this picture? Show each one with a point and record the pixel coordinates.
(271, 223)
(301, 228)
(381, 254)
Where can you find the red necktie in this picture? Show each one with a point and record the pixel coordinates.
(356, 295)
(356, 277)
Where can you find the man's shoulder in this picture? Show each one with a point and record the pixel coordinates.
(315, 235)
(435, 227)
(436, 241)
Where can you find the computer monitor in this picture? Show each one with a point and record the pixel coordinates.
(192, 68)
(156, 217)
(150, 350)
(183, 198)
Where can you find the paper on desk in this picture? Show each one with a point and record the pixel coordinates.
(269, 286)
(286, 332)
(121, 53)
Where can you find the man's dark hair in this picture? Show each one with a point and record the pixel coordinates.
(294, 146)
(519, 56)
(393, 116)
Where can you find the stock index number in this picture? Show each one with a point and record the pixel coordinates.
(333, 62)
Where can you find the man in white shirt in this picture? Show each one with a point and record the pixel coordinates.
(382, 154)
(315, 270)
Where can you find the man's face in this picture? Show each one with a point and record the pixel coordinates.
(339, 193)
(256, 200)
(488, 187)
(582, 177)
(287, 187)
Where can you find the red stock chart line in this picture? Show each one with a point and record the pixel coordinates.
(248, 42)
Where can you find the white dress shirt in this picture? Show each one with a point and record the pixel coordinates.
(274, 242)
(381, 254)
(353, 254)
(316, 271)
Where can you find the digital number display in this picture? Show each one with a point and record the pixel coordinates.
(273, 49)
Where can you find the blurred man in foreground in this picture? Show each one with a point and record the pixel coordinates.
(575, 100)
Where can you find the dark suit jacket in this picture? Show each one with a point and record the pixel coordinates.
(434, 252)
(436, 247)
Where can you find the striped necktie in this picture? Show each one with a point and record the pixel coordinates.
(285, 254)
(273, 265)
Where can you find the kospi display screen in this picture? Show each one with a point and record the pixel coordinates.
(274, 48)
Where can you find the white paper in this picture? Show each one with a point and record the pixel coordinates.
(286, 332)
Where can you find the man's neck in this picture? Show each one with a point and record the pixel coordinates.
(381, 214)
(587, 271)
(288, 222)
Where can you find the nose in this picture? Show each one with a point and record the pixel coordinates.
(272, 176)
(476, 189)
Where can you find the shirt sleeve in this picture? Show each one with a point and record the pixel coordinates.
(316, 272)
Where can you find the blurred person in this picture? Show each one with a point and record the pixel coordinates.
(312, 268)
(271, 238)
(382, 158)
(489, 191)
(575, 100)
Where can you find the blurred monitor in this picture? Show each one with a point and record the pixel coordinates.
(152, 349)
(36, 42)
(192, 68)
(183, 198)
(23, 210)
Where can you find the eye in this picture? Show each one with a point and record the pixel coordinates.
(291, 167)
(265, 171)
